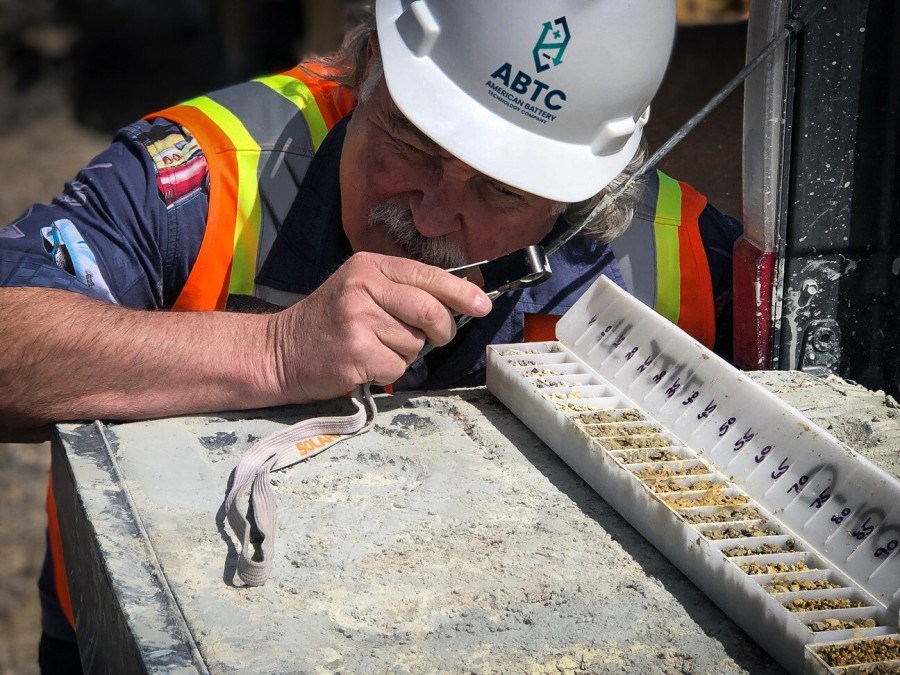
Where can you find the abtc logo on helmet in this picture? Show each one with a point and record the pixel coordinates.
(544, 46)
(518, 85)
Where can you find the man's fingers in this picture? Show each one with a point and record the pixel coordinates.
(390, 369)
(404, 340)
(418, 309)
(460, 295)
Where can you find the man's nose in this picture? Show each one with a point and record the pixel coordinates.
(436, 206)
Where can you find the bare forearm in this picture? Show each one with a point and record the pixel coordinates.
(65, 357)
(68, 357)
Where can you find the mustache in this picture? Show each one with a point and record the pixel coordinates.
(397, 220)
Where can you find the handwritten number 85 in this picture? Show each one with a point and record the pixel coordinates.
(864, 530)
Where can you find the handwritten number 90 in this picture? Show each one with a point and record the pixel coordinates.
(886, 549)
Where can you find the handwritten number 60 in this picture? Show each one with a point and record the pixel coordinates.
(762, 454)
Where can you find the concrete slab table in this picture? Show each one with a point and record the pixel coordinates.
(448, 539)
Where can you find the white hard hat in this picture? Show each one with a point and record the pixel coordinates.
(549, 97)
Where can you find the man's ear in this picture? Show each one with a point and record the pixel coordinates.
(374, 49)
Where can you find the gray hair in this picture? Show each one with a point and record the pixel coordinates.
(615, 219)
(349, 64)
(351, 67)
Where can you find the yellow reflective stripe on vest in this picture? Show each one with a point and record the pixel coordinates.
(299, 94)
(246, 229)
(668, 257)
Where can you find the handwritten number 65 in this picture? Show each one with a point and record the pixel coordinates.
(781, 470)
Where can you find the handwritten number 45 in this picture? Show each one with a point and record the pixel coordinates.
(707, 411)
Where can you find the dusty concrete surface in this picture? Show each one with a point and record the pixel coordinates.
(449, 539)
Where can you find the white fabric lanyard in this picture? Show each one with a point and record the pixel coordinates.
(277, 451)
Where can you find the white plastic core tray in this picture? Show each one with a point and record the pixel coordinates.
(794, 535)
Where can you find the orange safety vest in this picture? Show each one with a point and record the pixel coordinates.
(665, 261)
(258, 138)
(246, 204)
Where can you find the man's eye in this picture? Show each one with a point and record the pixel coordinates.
(408, 148)
(401, 146)
(502, 189)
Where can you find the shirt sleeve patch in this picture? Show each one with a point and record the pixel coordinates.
(181, 168)
(64, 244)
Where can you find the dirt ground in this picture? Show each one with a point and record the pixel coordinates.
(59, 107)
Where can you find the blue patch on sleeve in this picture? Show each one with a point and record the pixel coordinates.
(70, 253)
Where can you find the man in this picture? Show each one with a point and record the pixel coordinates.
(476, 129)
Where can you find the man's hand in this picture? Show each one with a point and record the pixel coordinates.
(367, 323)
